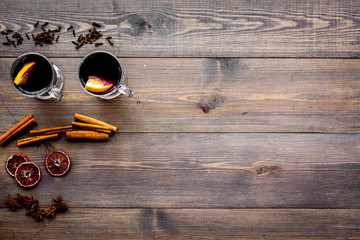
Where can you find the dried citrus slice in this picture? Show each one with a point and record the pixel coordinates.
(14, 161)
(28, 174)
(97, 85)
(57, 163)
(23, 74)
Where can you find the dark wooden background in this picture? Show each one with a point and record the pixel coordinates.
(276, 157)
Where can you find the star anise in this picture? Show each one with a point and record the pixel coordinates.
(20, 199)
(29, 201)
(59, 204)
(50, 212)
(33, 209)
(38, 214)
(12, 203)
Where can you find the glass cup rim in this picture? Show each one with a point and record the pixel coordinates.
(122, 80)
(45, 90)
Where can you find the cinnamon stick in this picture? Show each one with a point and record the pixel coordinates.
(22, 125)
(92, 127)
(87, 136)
(48, 131)
(90, 120)
(29, 140)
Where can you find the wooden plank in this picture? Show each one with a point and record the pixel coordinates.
(279, 28)
(201, 170)
(171, 95)
(105, 223)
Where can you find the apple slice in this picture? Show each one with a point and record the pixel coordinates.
(97, 85)
(24, 73)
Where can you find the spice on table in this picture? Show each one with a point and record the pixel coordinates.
(98, 44)
(35, 139)
(39, 214)
(92, 127)
(27, 36)
(87, 136)
(48, 131)
(20, 198)
(12, 203)
(33, 208)
(69, 28)
(108, 39)
(22, 125)
(91, 120)
(95, 24)
(50, 212)
(60, 204)
(36, 24)
(29, 201)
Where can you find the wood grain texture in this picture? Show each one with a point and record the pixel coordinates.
(242, 95)
(201, 170)
(100, 223)
(279, 28)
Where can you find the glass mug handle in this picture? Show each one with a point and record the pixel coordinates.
(56, 93)
(126, 91)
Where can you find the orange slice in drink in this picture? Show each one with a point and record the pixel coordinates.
(24, 73)
(97, 85)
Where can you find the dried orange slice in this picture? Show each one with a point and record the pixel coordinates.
(24, 73)
(97, 85)
(28, 174)
(57, 163)
(14, 161)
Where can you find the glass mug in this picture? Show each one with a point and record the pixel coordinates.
(106, 68)
(44, 81)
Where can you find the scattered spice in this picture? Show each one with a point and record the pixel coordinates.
(29, 201)
(32, 206)
(44, 37)
(38, 214)
(60, 204)
(95, 24)
(12, 203)
(50, 212)
(20, 199)
(108, 39)
(48, 36)
(32, 210)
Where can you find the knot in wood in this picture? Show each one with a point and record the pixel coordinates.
(262, 169)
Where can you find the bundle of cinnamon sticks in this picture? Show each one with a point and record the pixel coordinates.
(96, 130)
(18, 128)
